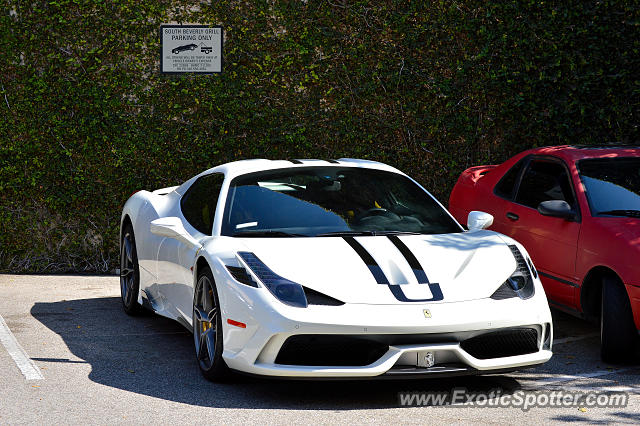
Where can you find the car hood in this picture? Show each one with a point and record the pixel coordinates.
(627, 228)
(466, 266)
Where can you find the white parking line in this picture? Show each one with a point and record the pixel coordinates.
(574, 339)
(587, 388)
(27, 367)
(568, 378)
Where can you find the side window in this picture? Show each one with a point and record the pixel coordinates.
(543, 181)
(504, 188)
(198, 204)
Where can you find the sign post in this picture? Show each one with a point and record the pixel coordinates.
(190, 49)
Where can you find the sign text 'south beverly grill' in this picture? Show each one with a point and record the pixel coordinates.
(191, 49)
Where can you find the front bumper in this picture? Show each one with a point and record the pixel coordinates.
(390, 364)
(255, 349)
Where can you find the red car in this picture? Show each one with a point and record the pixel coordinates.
(576, 209)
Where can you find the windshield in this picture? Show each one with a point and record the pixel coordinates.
(612, 185)
(318, 201)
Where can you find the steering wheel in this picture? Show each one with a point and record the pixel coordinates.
(375, 211)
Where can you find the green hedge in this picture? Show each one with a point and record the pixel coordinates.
(430, 87)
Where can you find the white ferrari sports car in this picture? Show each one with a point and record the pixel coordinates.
(331, 269)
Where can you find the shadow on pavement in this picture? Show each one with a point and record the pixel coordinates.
(615, 418)
(153, 356)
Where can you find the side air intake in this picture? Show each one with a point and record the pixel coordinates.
(240, 274)
(317, 298)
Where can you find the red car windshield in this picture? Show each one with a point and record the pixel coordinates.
(612, 185)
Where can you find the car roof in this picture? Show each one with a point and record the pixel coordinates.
(572, 153)
(241, 167)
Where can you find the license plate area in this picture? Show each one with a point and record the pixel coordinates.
(425, 359)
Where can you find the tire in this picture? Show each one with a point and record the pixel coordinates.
(618, 333)
(129, 272)
(207, 328)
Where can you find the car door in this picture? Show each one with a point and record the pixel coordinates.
(175, 258)
(500, 198)
(551, 241)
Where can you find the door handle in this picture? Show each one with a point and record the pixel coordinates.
(512, 216)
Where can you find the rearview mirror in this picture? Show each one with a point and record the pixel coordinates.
(479, 220)
(556, 208)
(172, 227)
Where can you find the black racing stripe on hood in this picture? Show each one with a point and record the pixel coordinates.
(295, 161)
(411, 259)
(375, 269)
(436, 293)
(381, 278)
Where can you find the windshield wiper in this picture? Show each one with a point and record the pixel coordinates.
(629, 213)
(345, 234)
(396, 233)
(269, 234)
(364, 233)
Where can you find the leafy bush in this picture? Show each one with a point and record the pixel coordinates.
(430, 87)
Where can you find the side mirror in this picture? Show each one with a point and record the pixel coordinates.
(172, 227)
(479, 220)
(557, 208)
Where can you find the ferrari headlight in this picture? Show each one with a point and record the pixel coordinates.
(283, 289)
(520, 283)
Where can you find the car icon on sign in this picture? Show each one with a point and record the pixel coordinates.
(179, 49)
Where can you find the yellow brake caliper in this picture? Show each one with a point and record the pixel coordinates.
(207, 324)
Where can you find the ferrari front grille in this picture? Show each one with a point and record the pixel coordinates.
(502, 343)
(330, 350)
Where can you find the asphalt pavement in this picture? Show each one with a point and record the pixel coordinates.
(69, 355)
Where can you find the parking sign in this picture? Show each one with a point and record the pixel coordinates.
(191, 49)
